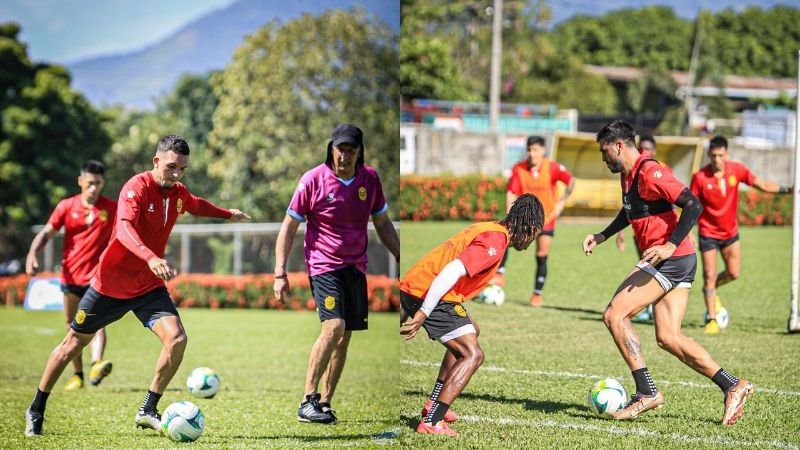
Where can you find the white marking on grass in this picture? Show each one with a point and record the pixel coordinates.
(713, 440)
(560, 374)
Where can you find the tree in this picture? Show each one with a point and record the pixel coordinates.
(47, 130)
(283, 93)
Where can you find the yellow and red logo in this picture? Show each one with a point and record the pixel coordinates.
(80, 317)
(330, 302)
(732, 180)
(362, 193)
(179, 205)
(103, 215)
(460, 311)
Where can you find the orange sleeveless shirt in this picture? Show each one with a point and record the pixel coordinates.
(541, 186)
(418, 279)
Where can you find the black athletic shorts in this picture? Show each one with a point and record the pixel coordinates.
(709, 243)
(96, 310)
(676, 272)
(342, 294)
(550, 233)
(76, 289)
(445, 317)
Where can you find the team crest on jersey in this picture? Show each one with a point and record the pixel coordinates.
(74, 215)
(710, 186)
(179, 205)
(492, 251)
(80, 317)
(103, 215)
(330, 197)
(301, 186)
(362, 193)
(131, 193)
(460, 311)
(732, 181)
(151, 208)
(657, 174)
(330, 302)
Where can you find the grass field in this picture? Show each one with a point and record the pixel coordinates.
(540, 363)
(260, 355)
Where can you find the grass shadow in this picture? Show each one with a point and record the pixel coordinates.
(546, 406)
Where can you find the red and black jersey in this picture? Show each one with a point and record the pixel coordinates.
(720, 198)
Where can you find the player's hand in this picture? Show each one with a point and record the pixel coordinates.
(620, 241)
(238, 216)
(591, 241)
(282, 289)
(658, 253)
(558, 209)
(410, 328)
(31, 265)
(162, 269)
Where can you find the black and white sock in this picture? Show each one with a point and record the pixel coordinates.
(150, 401)
(437, 388)
(436, 413)
(724, 380)
(644, 382)
(39, 402)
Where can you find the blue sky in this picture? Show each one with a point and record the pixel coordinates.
(68, 30)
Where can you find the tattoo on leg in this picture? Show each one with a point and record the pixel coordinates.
(632, 343)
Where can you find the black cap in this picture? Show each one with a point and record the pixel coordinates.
(347, 133)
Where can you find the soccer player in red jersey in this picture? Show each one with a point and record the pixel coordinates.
(87, 219)
(131, 276)
(434, 289)
(717, 187)
(662, 278)
(539, 176)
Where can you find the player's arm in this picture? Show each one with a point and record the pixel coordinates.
(769, 186)
(510, 199)
(199, 206)
(283, 246)
(690, 211)
(559, 206)
(39, 242)
(618, 224)
(387, 234)
(443, 282)
(129, 237)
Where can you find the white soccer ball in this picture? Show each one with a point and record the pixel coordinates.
(183, 422)
(606, 397)
(203, 382)
(493, 295)
(722, 318)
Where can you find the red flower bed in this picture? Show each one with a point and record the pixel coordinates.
(473, 198)
(244, 291)
(762, 208)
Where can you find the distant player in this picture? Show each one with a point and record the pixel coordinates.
(131, 275)
(336, 199)
(434, 289)
(539, 176)
(662, 278)
(87, 219)
(717, 187)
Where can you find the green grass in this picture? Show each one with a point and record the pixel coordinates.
(540, 363)
(261, 357)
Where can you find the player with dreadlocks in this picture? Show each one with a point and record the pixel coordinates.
(446, 277)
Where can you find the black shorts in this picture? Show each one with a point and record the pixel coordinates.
(75, 289)
(709, 243)
(550, 233)
(96, 310)
(445, 318)
(677, 272)
(342, 294)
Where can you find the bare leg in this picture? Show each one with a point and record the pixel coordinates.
(732, 257)
(669, 314)
(99, 344)
(169, 330)
(469, 356)
(65, 352)
(70, 309)
(710, 281)
(332, 332)
(335, 367)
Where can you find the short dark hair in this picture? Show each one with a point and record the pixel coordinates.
(525, 218)
(648, 138)
(92, 166)
(617, 130)
(718, 141)
(174, 143)
(535, 140)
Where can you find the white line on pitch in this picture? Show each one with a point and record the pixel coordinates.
(549, 373)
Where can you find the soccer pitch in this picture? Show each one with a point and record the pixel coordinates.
(540, 363)
(261, 357)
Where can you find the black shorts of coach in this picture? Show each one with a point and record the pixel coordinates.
(342, 294)
(445, 317)
(78, 290)
(96, 310)
(709, 243)
(675, 272)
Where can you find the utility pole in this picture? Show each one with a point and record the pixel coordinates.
(688, 99)
(497, 54)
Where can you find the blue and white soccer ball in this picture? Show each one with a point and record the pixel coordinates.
(183, 422)
(492, 295)
(606, 397)
(722, 318)
(203, 382)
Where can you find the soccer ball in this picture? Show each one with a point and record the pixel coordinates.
(203, 382)
(183, 422)
(606, 397)
(493, 295)
(722, 318)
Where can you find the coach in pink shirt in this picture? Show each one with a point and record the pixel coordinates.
(336, 200)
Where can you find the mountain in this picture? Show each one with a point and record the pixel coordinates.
(135, 79)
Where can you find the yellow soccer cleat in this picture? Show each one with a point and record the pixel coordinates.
(74, 383)
(100, 370)
(711, 327)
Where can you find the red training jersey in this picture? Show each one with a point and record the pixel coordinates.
(655, 183)
(720, 198)
(86, 233)
(480, 247)
(541, 182)
(146, 213)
